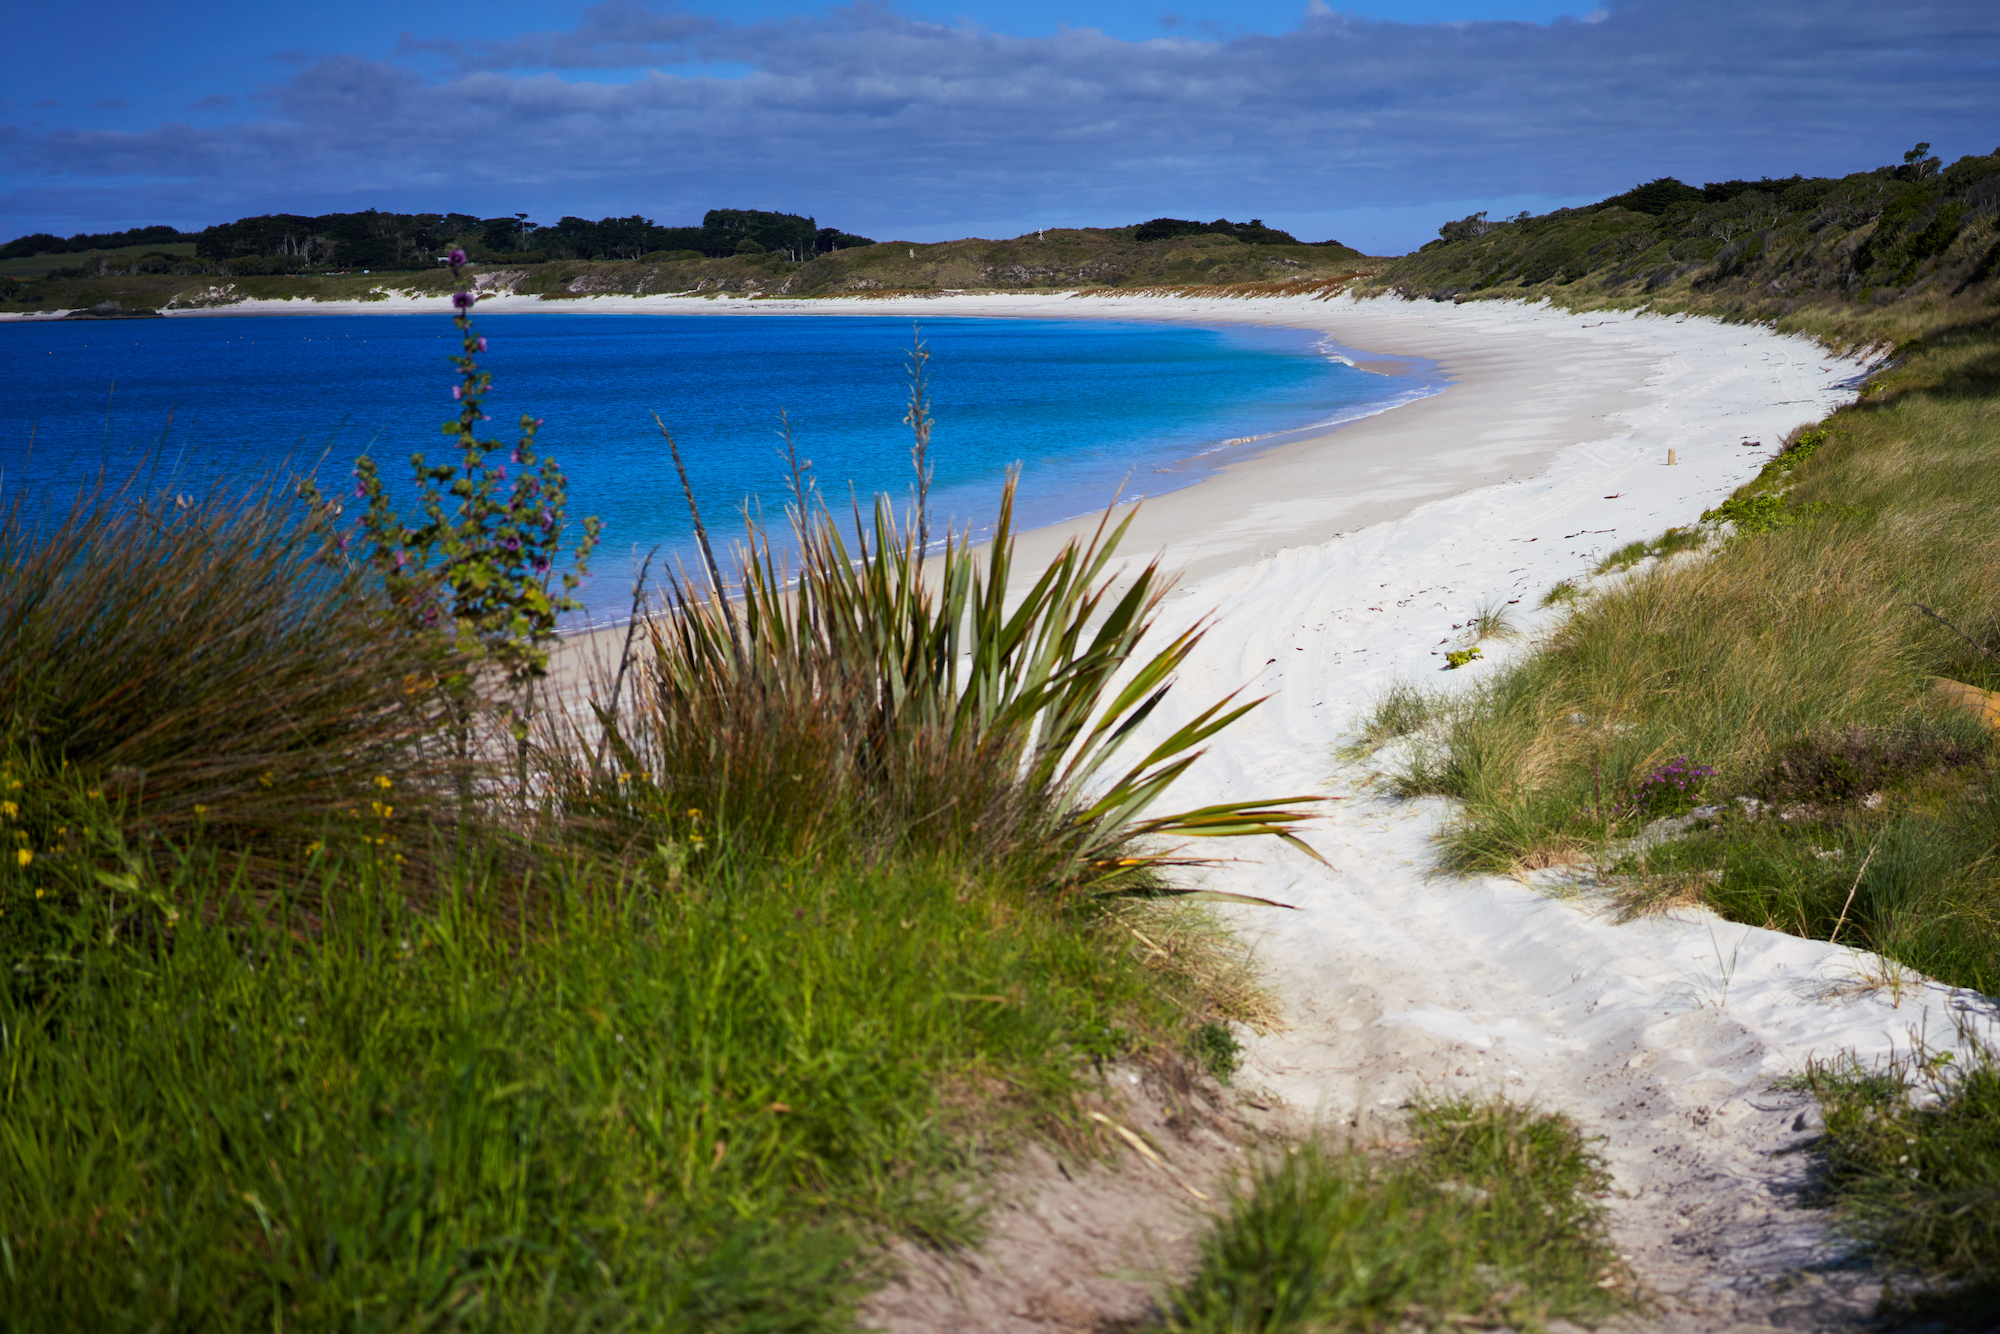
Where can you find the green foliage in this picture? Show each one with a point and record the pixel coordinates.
(1561, 592)
(1459, 657)
(481, 564)
(1215, 1048)
(1656, 196)
(861, 702)
(1253, 232)
(1492, 1220)
(687, 1110)
(1913, 1164)
(1764, 246)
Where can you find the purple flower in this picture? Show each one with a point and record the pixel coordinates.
(360, 489)
(482, 345)
(456, 391)
(457, 259)
(463, 300)
(514, 456)
(500, 473)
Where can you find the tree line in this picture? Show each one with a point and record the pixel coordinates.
(44, 243)
(374, 239)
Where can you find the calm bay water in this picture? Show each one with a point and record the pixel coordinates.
(1084, 407)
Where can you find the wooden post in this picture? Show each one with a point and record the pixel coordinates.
(1670, 458)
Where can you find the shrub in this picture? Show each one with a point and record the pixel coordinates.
(187, 663)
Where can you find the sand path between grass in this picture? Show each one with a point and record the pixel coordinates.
(1337, 565)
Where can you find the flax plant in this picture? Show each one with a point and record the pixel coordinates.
(872, 700)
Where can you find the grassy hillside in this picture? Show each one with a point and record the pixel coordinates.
(1055, 260)
(1765, 250)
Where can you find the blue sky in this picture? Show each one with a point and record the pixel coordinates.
(908, 121)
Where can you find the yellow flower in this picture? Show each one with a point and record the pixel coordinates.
(201, 810)
(23, 856)
(312, 848)
(96, 794)
(382, 781)
(9, 809)
(382, 811)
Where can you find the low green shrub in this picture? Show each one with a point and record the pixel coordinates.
(1912, 1154)
(1491, 1220)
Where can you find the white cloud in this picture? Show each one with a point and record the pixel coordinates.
(892, 126)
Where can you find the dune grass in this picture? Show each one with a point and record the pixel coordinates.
(1912, 1153)
(682, 1108)
(1795, 664)
(1490, 1218)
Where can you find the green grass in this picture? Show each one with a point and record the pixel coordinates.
(1490, 1218)
(1912, 1158)
(642, 1104)
(1792, 661)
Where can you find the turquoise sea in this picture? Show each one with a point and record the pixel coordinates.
(1088, 409)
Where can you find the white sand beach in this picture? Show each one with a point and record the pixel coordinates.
(1337, 565)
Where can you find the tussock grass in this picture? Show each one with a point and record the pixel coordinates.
(1491, 619)
(1912, 1154)
(183, 665)
(866, 708)
(1791, 641)
(1489, 1218)
(1402, 710)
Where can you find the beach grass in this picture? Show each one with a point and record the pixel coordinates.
(1912, 1153)
(1795, 663)
(1487, 1217)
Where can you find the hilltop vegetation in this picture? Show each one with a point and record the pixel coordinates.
(1062, 258)
(1760, 248)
